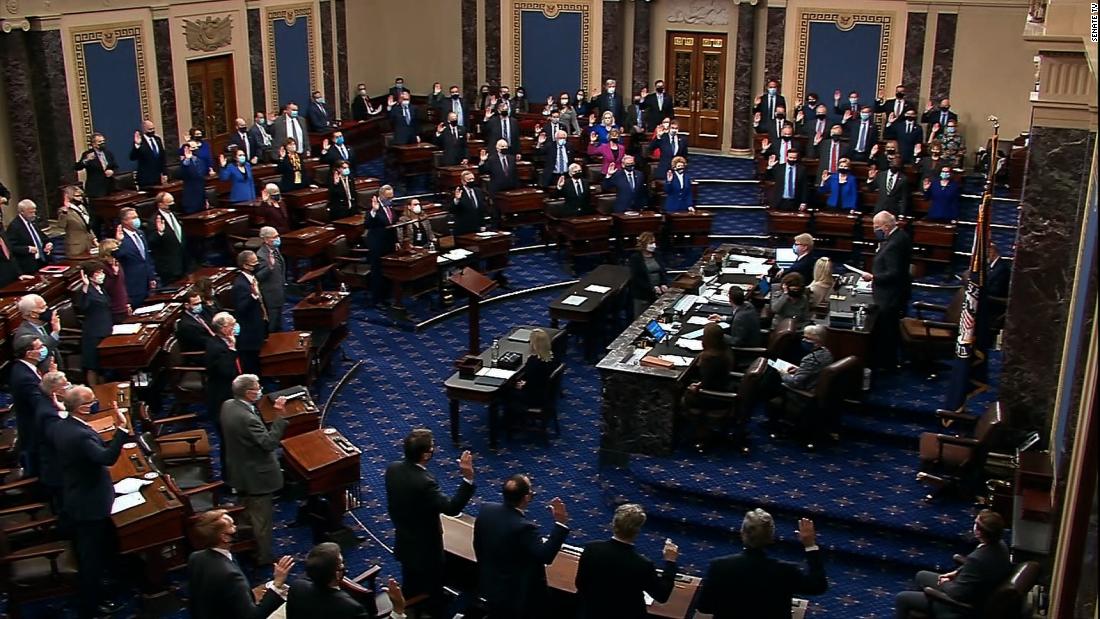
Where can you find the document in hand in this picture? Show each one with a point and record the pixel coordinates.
(781, 366)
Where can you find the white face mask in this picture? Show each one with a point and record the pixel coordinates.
(416, 209)
(652, 247)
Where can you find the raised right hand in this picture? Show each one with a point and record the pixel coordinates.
(836, 95)
(458, 193)
(847, 115)
(282, 568)
(806, 533)
(466, 464)
(557, 509)
(765, 144)
(137, 138)
(671, 551)
(118, 233)
(222, 160)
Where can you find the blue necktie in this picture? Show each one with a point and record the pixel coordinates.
(405, 111)
(788, 191)
(862, 142)
(561, 160)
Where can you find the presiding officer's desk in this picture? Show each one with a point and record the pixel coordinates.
(458, 543)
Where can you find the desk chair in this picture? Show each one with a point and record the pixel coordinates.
(953, 463)
(546, 411)
(186, 374)
(783, 343)
(16, 488)
(352, 269)
(716, 416)
(814, 414)
(926, 341)
(1008, 601)
(37, 572)
(204, 498)
(8, 454)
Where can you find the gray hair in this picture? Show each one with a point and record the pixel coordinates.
(222, 319)
(627, 521)
(28, 303)
(272, 189)
(53, 380)
(74, 398)
(245, 257)
(23, 343)
(815, 332)
(757, 529)
(243, 383)
(268, 232)
(26, 204)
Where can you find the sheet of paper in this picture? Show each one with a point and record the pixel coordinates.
(692, 335)
(855, 270)
(129, 329)
(130, 484)
(126, 501)
(149, 309)
(781, 366)
(574, 299)
(486, 234)
(598, 289)
(697, 320)
(441, 259)
(676, 360)
(496, 373)
(692, 345)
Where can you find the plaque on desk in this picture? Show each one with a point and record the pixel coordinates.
(286, 354)
(324, 459)
(301, 413)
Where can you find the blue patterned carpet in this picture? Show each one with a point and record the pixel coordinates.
(861, 493)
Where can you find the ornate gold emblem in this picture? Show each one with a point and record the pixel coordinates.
(209, 34)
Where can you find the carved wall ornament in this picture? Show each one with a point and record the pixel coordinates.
(706, 12)
(208, 34)
(12, 6)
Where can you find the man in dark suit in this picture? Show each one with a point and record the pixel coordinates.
(453, 103)
(631, 192)
(10, 268)
(451, 137)
(271, 273)
(148, 152)
(862, 135)
(414, 502)
(219, 589)
(193, 330)
(752, 584)
(99, 167)
(908, 133)
(223, 365)
(403, 119)
(896, 106)
(245, 143)
(612, 576)
(829, 151)
(398, 88)
(792, 184)
(381, 241)
(1000, 272)
(501, 168)
(260, 137)
(320, 595)
(849, 108)
(771, 102)
(135, 256)
(938, 115)
(972, 583)
(29, 244)
(611, 100)
(336, 151)
(289, 126)
(250, 310)
(890, 287)
(672, 144)
(318, 113)
(511, 557)
(658, 106)
(804, 264)
(48, 410)
(251, 457)
(469, 207)
(816, 124)
(774, 126)
(167, 240)
(40, 322)
(343, 199)
(778, 148)
(24, 381)
(502, 126)
(556, 157)
(88, 494)
(745, 321)
(574, 189)
(892, 186)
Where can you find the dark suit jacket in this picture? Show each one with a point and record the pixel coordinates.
(219, 589)
(19, 241)
(576, 203)
(250, 449)
(333, 156)
(982, 572)
(907, 140)
(96, 183)
(221, 368)
(286, 169)
(996, 283)
(752, 584)
(319, 116)
(654, 114)
(139, 270)
(150, 165)
(613, 103)
(801, 191)
(499, 179)
(824, 150)
(191, 334)
(88, 492)
(468, 217)
(168, 255)
(446, 106)
(49, 460)
(611, 577)
(494, 130)
(342, 203)
(24, 386)
(896, 201)
(245, 143)
(359, 108)
(679, 197)
(771, 126)
(891, 270)
(641, 287)
(272, 277)
(404, 132)
(665, 144)
(767, 107)
(193, 174)
(851, 130)
(10, 267)
(249, 315)
(804, 266)
(307, 601)
(256, 138)
(625, 199)
(414, 502)
(809, 127)
(885, 106)
(744, 326)
(96, 308)
(454, 148)
(549, 152)
(512, 560)
(934, 116)
(380, 238)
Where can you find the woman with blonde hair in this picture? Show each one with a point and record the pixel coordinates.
(823, 282)
(532, 389)
(603, 130)
(114, 281)
(611, 152)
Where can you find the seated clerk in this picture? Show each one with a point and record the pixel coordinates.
(193, 330)
(417, 228)
(469, 207)
(816, 359)
(556, 156)
(744, 322)
(533, 387)
(576, 193)
(713, 364)
(320, 595)
(648, 277)
(343, 200)
(792, 302)
(841, 188)
(803, 248)
(289, 162)
(944, 194)
(823, 282)
(631, 191)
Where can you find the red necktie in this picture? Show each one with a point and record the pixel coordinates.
(237, 360)
(833, 156)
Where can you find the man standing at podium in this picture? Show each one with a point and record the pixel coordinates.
(414, 502)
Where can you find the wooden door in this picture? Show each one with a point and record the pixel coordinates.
(696, 70)
(213, 99)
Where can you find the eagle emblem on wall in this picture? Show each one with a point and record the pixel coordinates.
(209, 34)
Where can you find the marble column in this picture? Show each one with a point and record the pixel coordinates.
(169, 126)
(742, 81)
(914, 54)
(640, 57)
(256, 61)
(328, 65)
(611, 65)
(19, 78)
(342, 58)
(773, 43)
(469, 50)
(943, 58)
(51, 110)
(492, 42)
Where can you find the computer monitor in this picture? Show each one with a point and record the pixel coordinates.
(654, 329)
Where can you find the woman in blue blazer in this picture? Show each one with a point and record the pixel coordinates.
(944, 193)
(96, 307)
(842, 188)
(239, 175)
(678, 196)
(192, 172)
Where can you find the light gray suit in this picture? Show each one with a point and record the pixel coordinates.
(280, 133)
(253, 466)
(271, 273)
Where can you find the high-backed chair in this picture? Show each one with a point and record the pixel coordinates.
(1008, 601)
(34, 573)
(546, 411)
(925, 340)
(186, 375)
(955, 463)
(816, 414)
(351, 266)
(782, 343)
(714, 416)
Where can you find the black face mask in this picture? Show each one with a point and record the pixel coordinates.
(574, 174)
(911, 118)
(456, 96)
(660, 89)
(792, 162)
(891, 151)
(842, 170)
(452, 122)
(503, 113)
(900, 95)
(819, 116)
(504, 95)
(811, 102)
(836, 136)
(150, 133)
(629, 168)
(787, 138)
(780, 115)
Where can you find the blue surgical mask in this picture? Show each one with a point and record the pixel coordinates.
(136, 223)
(853, 101)
(195, 309)
(43, 353)
(561, 142)
(880, 235)
(794, 248)
(945, 175)
(864, 115)
(294, 114)
(807, 345)
(772, 91)
(236, 329)
(339, 139)
(950, 129)
(345, 171)
(320, 100)
(241, 158)
(277, 242)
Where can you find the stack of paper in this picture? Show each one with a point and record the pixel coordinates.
(574, 300)
(781, 366)
(129, 491)
(598, 289)
(676, 360)
(496, 373)
(127, 329)
(693, 345)
(149, 309)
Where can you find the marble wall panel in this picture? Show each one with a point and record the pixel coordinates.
(611, 64)
(742, 80)
(169, 129)
(943, 58)
(640, 58)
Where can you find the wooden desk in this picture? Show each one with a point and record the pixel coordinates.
(587, 235)
(784, 224)
(521, 207)
(324, 310)
(308, 242)
(132, 352)
(492, 247)
(629, 225)
(174, 187)
(933, 242)
(168, 315)
(836, 229)
(458, 541)
(301, 413)
(287, 354)
(324, 459)
(450, 176)
(206, 224)
(220, 276)
(156, 522)
(595, 310)
(351, 227)
(106, 207)
(690, 229)
(408, 266)
(49, 287)
(412, 159)
(301, 199)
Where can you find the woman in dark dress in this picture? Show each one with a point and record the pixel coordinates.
(96, 307)
(713, 366)
(115, 282)
(648, 278)
(532, 389)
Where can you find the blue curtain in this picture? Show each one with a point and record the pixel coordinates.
(292, 61)
(114, 96)
(845, 60)
(551, 54)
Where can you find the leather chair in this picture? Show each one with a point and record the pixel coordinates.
(16, 488)
(37, 572)
(8, 454)
(718, 415)
(605, 203)
(204, 498)
(546, 412)
(783, 343)
(925, 340)
(352, 269)
(815, 414)
(953, 463)
(186, 374)
(1008, 601)
(125, 181)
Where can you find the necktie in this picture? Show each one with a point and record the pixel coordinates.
(820, 126)
(561, 160)
(788, 191)
(943, 119)
(173, 224)
(778, 127)
(577, 187)
(203, 323)
(675, 144)
(297, 130)
(137, 241)
(388, 212)
(35, 238)
(504, 130)
(454, 132)
(783, 147)
(861, 143)
(153, 145)
(630, 179)
(343, 152)
(247, 146)
(771, 105)
(908, 126)
(405, 112)
(660, 102)
(834, 153)
(473, 196)
(323, 112)
(890, 178)
(504, 164)
(899, 107)
(102, 159)
(347, 190)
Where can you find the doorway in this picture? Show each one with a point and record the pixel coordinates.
(696, 70)
(213, 99)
